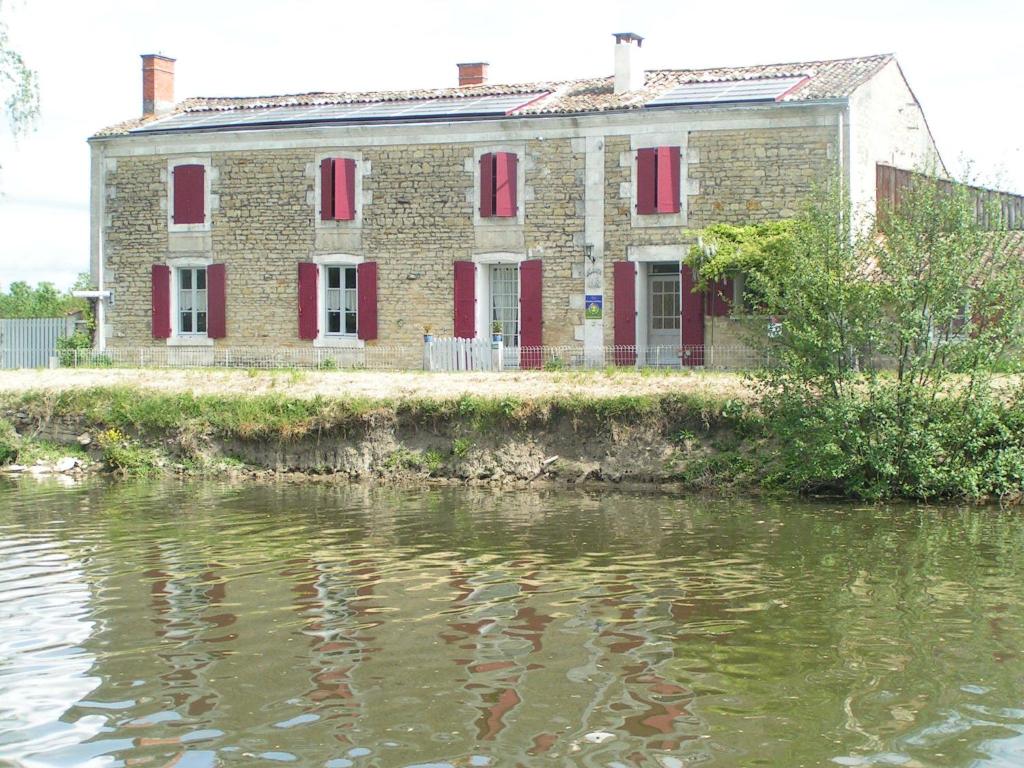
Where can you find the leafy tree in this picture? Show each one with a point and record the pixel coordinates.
(19, 84)
(21, 300)
(883, 378)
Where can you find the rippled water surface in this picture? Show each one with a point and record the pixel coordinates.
(202, 624)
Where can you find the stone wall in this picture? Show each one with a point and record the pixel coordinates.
(417, 219)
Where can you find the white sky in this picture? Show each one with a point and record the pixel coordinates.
(961, 58)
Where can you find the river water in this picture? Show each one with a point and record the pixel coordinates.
(202, 624)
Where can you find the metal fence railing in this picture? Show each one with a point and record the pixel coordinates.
(439, 355)
(30, 343)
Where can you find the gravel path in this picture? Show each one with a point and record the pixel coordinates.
(384, 384)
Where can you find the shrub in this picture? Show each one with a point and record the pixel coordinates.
(124, 455)
(10, 443)
(69, 346)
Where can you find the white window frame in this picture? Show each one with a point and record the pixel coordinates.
(482, 288)
(208, 202)
(362, 169)
(177, 338)
(519, 150)
(324, 339)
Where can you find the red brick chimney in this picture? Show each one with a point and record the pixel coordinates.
(157, 84)
(474, 73)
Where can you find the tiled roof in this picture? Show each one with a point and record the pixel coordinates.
(831, 79)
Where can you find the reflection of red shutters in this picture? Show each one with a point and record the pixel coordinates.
(366, 282)
(337, 189)
(691, 320)
(308, 325)
(668, 180)
(625, 313)
(161, 301)
(530, 314)
(486, 185)
(189, 194)
(465, 300)
(216, 297)
(646, 173)
(505, 177)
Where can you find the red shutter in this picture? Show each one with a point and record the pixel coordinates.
(161, 301)
(531, 314)
(216, 296)
(344, 189)
(486, 185)
(721, 297)
(308, 325)
(327, 188)
(646, 172)
(506, 178)
(625, 313)
(691, 320)
(465, 300)
(668, 180)
(366, 284)
(189, 194)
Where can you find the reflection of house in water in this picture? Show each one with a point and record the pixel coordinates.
(184, 595)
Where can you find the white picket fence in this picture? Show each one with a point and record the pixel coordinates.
(462, 355)
(30, 343)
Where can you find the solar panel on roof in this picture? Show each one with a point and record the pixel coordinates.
(309, 113)
(725, 91)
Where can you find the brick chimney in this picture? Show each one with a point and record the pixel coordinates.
(157, 84)
(629, 72)
(473, 73)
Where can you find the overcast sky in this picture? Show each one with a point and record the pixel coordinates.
(961, 58)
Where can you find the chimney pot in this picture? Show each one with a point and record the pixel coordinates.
(629, 72)
(472, 73)
(157, 84)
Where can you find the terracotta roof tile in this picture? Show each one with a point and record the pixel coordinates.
(830, 79)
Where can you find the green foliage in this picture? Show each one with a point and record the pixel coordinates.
(460, 447)
(125, 456)
(19, 84)
(433, 461)
(725, 249)
(554, 364)
(67, 346)
(882, 382)
(42, 450)
(10, 443)
(21, 300)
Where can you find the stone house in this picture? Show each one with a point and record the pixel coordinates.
(561, 210)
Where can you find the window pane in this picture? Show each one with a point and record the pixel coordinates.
(333, 299)
(201, 301)
(186, 322)
(350, 278)
(334, 322)
(185, 301)
(185, 278)
(333, 277)
(350, 322)
(350, 300)
(201, 279)
(201, 322)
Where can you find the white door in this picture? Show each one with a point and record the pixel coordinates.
(663, 316)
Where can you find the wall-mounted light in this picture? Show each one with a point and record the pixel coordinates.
(588, 253)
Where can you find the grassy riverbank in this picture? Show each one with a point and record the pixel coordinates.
(690, 429)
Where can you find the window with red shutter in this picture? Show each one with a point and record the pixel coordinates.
(499, 180)
(189, 185)
(657, 180)
(337, 189)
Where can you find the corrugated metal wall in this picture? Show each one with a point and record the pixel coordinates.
(30, 343)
